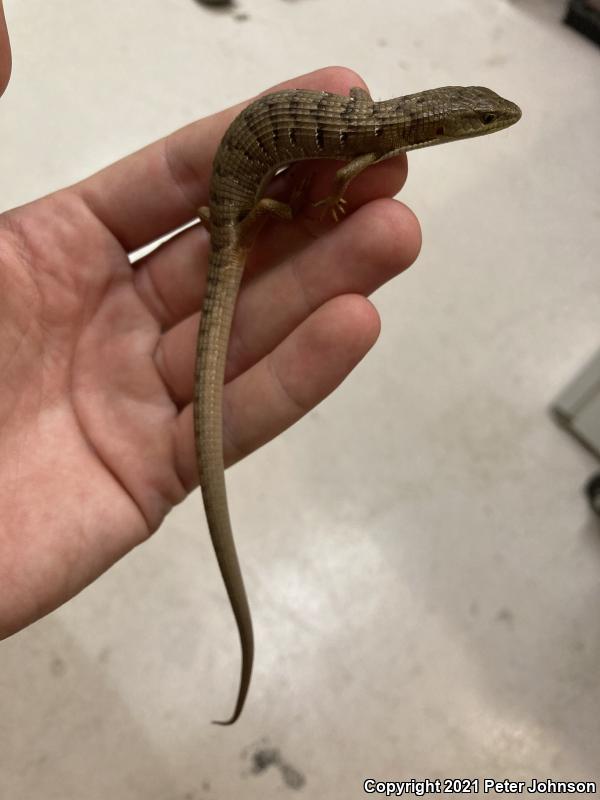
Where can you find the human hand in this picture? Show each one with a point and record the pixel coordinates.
(97, 354)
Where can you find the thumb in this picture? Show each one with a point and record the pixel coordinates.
(5, 55)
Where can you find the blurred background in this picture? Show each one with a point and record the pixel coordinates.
(422, 565)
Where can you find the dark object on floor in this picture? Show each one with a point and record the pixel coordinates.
(592, 491)
(577, 407)
(215, 2)
(584, 16)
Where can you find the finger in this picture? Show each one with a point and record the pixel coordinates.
(159, 188)
(355, 257)
(5, 54)
(280, 239)
(282, 387)
(272, 304)
(172, 278)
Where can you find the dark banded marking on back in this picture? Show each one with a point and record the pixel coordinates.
(319, 137)
(252, 125)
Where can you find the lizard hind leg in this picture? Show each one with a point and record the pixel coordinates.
(266, 207)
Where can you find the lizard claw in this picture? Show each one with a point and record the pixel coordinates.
(332, 204)
(204, 215)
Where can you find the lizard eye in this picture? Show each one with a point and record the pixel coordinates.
(488, 118)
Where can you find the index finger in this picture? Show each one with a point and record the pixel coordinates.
(160, 187)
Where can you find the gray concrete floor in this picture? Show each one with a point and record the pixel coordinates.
(423, 571)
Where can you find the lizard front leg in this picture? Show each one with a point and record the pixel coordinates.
(336, 201)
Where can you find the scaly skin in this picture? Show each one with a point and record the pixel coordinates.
(275, 130)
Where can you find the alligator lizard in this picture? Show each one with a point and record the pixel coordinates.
(273, 131)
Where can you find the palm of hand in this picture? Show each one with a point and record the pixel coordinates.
(87, 445)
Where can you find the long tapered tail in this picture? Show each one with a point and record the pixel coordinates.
(225, 271)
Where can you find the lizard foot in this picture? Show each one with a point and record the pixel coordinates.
(204, 215)
(334, 204)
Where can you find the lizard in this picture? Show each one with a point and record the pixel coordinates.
(272, 132)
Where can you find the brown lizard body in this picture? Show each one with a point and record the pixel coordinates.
(273, 131)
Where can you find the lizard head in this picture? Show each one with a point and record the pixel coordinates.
(473, 111)
(449, 114)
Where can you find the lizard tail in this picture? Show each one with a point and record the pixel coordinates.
(224, 276)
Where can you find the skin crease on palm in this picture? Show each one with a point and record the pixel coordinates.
(97, 355)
